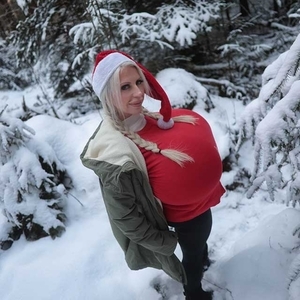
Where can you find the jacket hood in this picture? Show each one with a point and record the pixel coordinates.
(111, 146)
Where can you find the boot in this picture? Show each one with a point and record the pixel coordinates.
(199, 294)
(206, 261)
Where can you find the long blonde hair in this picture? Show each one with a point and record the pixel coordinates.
(112, 95)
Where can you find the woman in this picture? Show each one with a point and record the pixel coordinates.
(156, 171)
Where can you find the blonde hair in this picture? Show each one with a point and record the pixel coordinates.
(112, 95)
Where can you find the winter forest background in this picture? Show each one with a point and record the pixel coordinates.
(235, 62)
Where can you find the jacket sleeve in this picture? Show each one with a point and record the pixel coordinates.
(122, 206)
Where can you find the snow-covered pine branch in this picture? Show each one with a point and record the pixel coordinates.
(276, 137)
(230, 48)
(279, 129)
(258, 50)
(287, 73)
(13, 134)
(84, 32)
(249, 120)
(294, 190)
(139, 25)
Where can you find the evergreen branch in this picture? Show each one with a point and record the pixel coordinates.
(285, 70)
(68, 193)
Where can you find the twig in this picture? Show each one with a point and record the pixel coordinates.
(3, 110)
(75, 198)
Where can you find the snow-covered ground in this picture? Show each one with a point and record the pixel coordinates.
(251, 243)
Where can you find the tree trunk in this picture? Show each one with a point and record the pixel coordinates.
(276, 7)
(244, 8)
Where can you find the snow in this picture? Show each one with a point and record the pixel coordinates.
(252, 243)
(184, 81)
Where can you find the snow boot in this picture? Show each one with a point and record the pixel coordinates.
(206, 261)
(199, 294)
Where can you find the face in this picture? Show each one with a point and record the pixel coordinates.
(132, 92)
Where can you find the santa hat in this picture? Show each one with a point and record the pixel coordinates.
(105, 65)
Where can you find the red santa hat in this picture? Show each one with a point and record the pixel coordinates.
(109, 60)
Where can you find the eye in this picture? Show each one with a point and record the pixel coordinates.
(140, 81)
(125, 87)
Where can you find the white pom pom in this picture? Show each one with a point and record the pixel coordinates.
(165, 125)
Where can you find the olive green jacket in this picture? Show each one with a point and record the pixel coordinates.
(135, 215)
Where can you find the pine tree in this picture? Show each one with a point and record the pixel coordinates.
(271, 121)
(32, 185)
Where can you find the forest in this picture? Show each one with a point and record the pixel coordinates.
(246, 52)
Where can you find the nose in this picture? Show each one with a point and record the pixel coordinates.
(137, 91)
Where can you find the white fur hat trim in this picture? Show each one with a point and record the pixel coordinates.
(104, 70)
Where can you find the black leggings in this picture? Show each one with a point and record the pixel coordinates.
(192, 237)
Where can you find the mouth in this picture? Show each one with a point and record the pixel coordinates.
(137, 104)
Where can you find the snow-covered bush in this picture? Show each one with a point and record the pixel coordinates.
(184, 90)
(32, 185)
